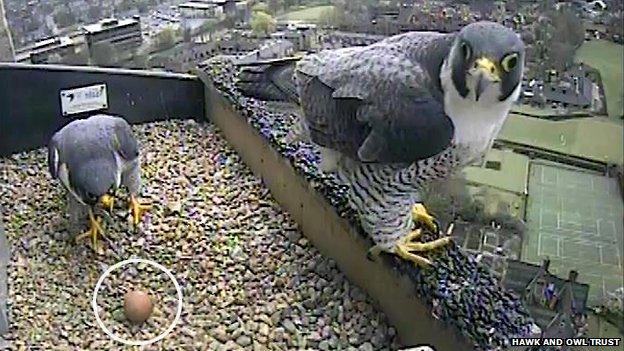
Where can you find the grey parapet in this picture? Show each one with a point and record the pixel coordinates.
(4, 261)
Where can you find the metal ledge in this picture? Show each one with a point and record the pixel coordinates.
(91, 69)
(332, 235)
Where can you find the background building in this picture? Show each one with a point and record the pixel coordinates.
(121, 33)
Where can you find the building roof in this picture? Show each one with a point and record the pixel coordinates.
(108, 23)
(569, 94)
(197, 5)
(43, 46)
(520, 276)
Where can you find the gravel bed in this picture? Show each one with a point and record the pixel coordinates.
(459, 290)
(141, 277)
(249, 279)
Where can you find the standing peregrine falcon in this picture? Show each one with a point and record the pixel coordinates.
(92, 158)
(412, 108)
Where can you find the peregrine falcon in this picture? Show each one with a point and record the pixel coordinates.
(394, 115)
(92, 158)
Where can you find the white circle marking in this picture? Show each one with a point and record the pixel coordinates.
(135, 342)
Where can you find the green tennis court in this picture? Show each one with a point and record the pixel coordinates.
(575, 218)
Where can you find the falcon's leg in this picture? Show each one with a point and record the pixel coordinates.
(421, 215)
(131, 178)
(94, 231)
(77, 214)
(406, 247)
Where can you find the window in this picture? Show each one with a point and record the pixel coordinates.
(495, 165)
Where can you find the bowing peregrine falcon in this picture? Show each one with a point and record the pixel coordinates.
(394, 115)
(92, 158)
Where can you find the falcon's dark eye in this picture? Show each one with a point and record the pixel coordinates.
(466, 51)
(510, 62)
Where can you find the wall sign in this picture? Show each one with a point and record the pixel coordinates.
(84, 99)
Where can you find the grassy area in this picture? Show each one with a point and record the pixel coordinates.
(592, 138)
(310, 14)
(511, 177)
(608, 58)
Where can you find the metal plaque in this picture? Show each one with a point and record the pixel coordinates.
(84, 99)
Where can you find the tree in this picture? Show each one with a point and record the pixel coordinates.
(561, 55)
(104, 54)
(95, 12)
(290, 3)
(166, 39)
(124, 5)
(615, 25)
(261, 6)
(186, 35)
(262, 22)
(138, 61)
(64, 18)
(142, 7)
(567, 27)
(332, 17)
(355, 12)
(76, 58)
(273, 6)
(209, 26)
(483, 7)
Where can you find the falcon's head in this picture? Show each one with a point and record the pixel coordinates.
(487, 59)
(95, 182)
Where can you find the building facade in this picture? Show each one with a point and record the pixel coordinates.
(51, 50)
(121, 33)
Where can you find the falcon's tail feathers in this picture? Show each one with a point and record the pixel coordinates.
(269, 80)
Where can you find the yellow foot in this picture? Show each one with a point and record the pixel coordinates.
(422, 216)
(407, 246)
(137, 210)
(93, 232)
(108, 202)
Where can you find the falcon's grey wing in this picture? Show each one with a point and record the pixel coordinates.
(53, 157)
(127, 147)
(124, 141)
(270, 81)
(57, 162)
(377, 103)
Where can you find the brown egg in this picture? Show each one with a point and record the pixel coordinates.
(137, 306)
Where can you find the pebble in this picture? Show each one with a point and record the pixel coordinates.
(367, 346)
(243, 340)
(53, 279)
(289, 326)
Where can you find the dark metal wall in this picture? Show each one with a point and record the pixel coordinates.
(30, 105)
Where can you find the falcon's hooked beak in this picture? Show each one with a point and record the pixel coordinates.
(487, 72)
